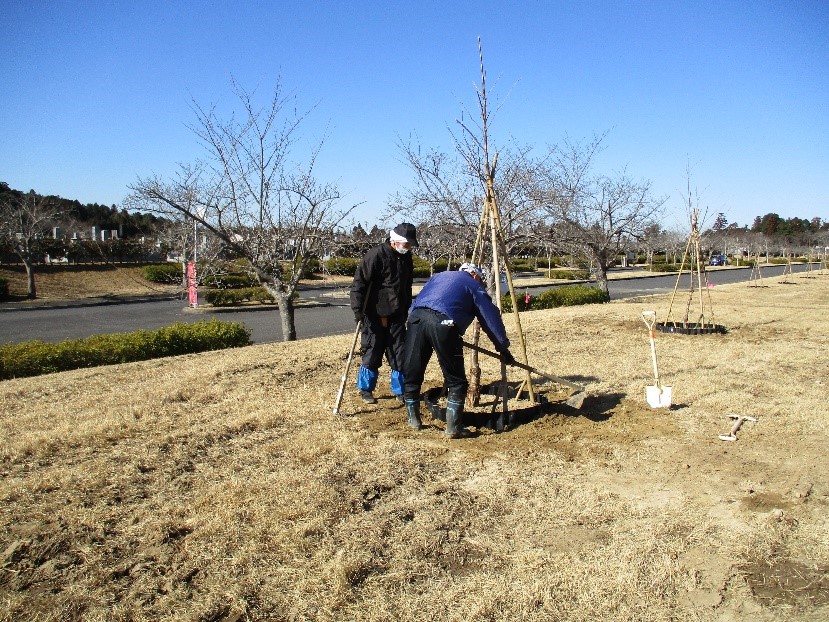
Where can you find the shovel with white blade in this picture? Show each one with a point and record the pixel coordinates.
(657, 395)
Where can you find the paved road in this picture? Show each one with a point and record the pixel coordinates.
(649, 285)
(75, 322)
(329, 315)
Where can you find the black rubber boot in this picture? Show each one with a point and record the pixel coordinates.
(413, 411)
(368, 397)
(431, 399)
(454, 416)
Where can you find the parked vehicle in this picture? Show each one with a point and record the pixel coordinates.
(719, 260)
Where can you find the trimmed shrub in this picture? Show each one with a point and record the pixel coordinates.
(163, 273)
(523, 305)
(547, 264)
(307, 273)
(313, 266)
(229, 297)
(33, 358)
(667, 267)
(228, 281)
(565, 296)
(342, 266)
(441, 265)
(422, 269)
(522, 264)
(570, 275)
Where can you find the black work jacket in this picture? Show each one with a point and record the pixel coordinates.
(390, 276)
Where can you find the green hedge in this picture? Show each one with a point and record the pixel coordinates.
(226, 297)
(548, 264)
(422, 269)
(33, 358)
(343, 266)
(523, 264)
(4, 289)
(441, 265)
(564, 296)
(163, 273)
(314, 265)
(228, 281)
(570, 275)
(667, 267)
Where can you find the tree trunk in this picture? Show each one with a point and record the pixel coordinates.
(601, 277)
(286, 316)
(31, 290)
(473, 394)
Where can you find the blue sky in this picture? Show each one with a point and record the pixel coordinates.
(98, 93)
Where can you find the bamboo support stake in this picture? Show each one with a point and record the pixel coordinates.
(498, 243)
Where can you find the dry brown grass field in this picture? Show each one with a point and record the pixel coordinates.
(58, 282)
(220, 486)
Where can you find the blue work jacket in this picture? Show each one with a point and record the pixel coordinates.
(461, 298)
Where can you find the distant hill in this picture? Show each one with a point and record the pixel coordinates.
(77, 215)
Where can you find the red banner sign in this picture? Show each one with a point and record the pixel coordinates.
(192, 286)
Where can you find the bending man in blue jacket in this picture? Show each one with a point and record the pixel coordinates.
(437, 319)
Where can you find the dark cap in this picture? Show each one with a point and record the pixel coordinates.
(407, 230)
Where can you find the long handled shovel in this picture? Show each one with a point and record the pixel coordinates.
(357, 330)
(657, 395)
(575, 401)
(347, 368)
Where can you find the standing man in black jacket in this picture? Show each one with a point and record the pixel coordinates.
(381, 294)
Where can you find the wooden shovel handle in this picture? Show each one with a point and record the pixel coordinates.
(533, 370)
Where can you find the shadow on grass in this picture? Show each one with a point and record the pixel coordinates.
(596, 408)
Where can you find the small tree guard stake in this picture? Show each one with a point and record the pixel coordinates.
(695, 270)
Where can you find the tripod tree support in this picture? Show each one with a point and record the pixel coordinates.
(490, 219)
(698, 284)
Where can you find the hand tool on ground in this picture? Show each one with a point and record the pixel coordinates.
(738, 421)
(575, 401)
(656, 395)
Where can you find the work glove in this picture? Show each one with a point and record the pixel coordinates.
(507, 358)
(358, 316)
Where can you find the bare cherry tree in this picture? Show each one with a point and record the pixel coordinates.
(595, 217)
(450, 189)
(442, 241)
(444, 193)
(250, 193)
(26, 221)
(650, 242)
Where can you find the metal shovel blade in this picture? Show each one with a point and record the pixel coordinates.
(576, 400)
(658, 397)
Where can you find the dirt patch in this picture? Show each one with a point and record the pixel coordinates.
(788, 583)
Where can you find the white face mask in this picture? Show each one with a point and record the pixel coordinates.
(400, 249)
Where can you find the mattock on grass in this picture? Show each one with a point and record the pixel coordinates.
(738, 422)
